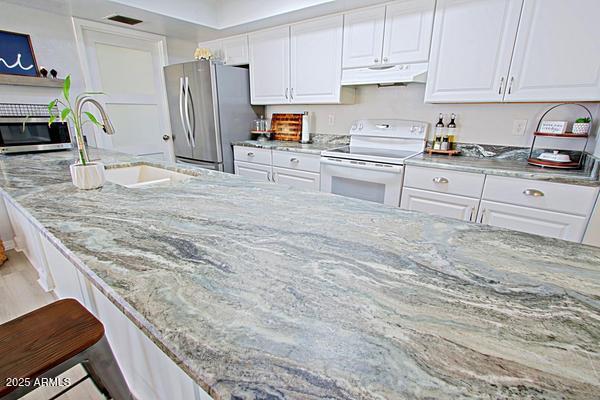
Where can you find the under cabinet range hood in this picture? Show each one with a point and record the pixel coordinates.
(388, 74)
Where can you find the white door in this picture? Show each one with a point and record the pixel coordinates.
(316, 61)
(445, 205)
(408, 28)
(531, 220)
(129, 71)
(270, 66)
(471, 50)
(296, 179)
(254, 171)
(557, 52)
(363, 37)
(235, 50)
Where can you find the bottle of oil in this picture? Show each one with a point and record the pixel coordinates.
(439, 133)
(452, 131)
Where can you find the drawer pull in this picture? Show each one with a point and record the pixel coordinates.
(250, 154)
(440, 179)
(294, 160)
(533, 192)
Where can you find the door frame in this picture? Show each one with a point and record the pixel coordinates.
(80, 24)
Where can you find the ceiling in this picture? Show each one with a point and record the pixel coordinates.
(199, 19)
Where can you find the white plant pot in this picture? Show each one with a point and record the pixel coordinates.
(89, 176)
(581, 128)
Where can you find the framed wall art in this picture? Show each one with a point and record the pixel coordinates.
(16, 54)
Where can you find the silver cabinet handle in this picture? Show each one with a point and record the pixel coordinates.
(385, 59)
(382, 126)
(440, 179)
(286, 93)
(482, 215)
(512, 79)
(181, 98)
(376, 60)
(250, 154)
(269, 176)
(273, 176)
(501, 84)
(533, 192)
(294, 160)
(471, 215)
(292, 93)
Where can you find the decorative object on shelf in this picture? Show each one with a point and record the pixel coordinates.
(555, 158)
(85, 174)
(582, 126)
(2, 253)
(261, 128)
(16, 54)
(287, 126)
(44, 72)
(54, 74)
(556, 127)
(203, 54)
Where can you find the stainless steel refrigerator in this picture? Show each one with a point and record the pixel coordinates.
(209, 107)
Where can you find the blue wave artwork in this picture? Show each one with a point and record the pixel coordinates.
(16, 55)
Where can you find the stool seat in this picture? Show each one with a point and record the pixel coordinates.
(42, 340)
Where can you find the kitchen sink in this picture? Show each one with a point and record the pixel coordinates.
(143, 175)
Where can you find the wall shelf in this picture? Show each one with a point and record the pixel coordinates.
(20, 80)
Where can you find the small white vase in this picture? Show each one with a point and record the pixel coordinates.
(89, 176)
(581, 128)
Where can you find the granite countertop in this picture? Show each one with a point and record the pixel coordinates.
(519, 168)
(320, 296)
(315, 147)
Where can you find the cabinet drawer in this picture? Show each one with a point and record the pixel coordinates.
(551, 196)
(252, 154)
(444, 181)
(299, 161)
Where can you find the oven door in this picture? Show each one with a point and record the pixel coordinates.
(381, 183)
(34, 135)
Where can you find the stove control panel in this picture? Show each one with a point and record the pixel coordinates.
(392, 128)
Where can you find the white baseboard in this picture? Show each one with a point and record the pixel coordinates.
(8, 244)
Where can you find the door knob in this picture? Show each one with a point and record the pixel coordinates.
(166, 137)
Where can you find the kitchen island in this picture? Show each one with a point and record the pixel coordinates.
(258, 291)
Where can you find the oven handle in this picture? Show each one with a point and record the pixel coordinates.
(396, 169)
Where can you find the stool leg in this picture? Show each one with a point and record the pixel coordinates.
(100, 363)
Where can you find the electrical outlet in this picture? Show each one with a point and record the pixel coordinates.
(519, 127)
(331, 120)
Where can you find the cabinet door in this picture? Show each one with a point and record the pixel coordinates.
(254, 171)
(270, 66)
(531, 220)
(471, 49)
(235, 50)
(557, 52)
(316, 61)
(408, 31)
(445, 205)
(296, 179)
(363, 37)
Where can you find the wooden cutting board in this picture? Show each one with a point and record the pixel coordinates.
(286, 127)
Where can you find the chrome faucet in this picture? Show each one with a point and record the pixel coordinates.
(106, 124)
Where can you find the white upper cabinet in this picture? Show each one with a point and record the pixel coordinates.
(215, 46)
(471, 50)
(235, 50)
(363, 37)
(269, 54)
(408, 31)
(315, 59)
(557, 52)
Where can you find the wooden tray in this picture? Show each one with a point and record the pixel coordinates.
(287, 126)
(553, 164)
(566, 135)
(447, 152)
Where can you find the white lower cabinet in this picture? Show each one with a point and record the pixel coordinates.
(296, 179)
(444, 205)
(255, 171)
(530, 220)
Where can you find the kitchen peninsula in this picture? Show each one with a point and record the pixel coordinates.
(255, 297)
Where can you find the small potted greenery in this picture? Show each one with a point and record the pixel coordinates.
(582, 126)
(84, 174)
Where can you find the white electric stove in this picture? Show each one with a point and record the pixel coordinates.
(371, 167)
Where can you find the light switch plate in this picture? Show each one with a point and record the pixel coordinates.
(519, 127)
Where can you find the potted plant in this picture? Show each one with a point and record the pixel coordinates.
(84, 174)
(582, 126)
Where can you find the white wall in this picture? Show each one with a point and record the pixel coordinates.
(478, 123)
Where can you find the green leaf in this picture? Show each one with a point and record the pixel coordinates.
(67, 87)
(65, 112)
(51, 105)
(92, 118)
(52, 119)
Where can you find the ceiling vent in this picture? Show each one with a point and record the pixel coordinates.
(124, 20)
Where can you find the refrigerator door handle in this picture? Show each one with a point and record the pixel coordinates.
(191, 123)
(181, 98)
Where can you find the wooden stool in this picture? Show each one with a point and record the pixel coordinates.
(50, 340)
